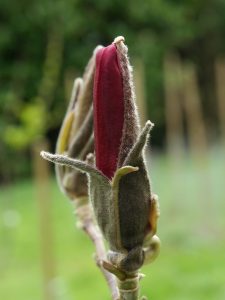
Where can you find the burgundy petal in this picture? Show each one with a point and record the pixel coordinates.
(108, 110)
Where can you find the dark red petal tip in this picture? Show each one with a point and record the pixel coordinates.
(108, 110)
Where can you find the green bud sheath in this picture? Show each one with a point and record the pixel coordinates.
(119, 186)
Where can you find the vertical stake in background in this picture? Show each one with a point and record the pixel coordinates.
(174, 126)
(198, 145)
(173, 113)
(194, 113)
(42, 184)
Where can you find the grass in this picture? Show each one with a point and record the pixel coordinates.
(191, 264)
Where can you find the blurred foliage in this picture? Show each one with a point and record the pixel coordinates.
(45, 44)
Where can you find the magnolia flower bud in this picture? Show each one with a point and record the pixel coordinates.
(119, 188)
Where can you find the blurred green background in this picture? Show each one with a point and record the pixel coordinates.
(177, 49)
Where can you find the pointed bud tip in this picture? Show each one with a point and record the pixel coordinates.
(78, 81)
(46, 155)
(119, 39)
(42, 154)
(150, 124)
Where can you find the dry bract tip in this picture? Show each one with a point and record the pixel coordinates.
(150, 123)
(119, 39)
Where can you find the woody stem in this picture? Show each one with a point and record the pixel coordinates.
(129, 288)
(86, 222)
